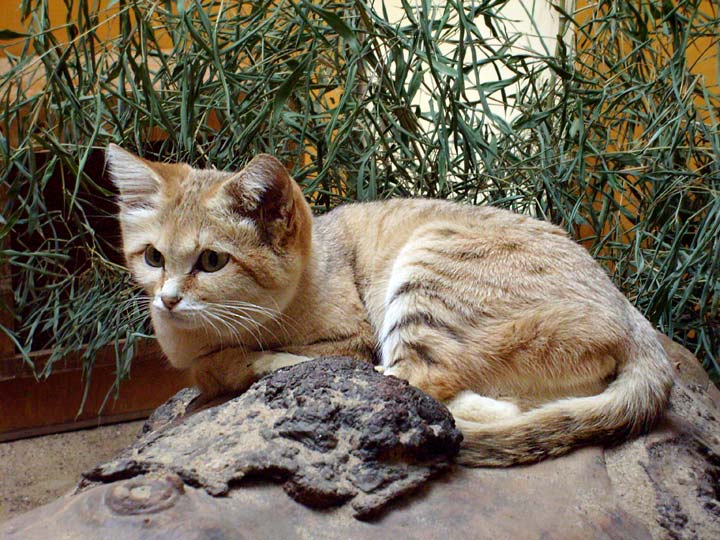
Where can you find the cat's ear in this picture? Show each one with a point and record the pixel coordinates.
(133, 176)
(263, 190)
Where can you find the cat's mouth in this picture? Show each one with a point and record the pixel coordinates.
(185, 313)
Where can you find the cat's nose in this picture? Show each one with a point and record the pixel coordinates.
(170, 300)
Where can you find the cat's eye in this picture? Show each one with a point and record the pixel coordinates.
(153, 257)
(212, 261)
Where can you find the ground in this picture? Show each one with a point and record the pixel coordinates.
(36, 471)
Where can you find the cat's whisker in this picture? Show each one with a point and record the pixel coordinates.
(133, 317)
(132, 304)
(242, 309)
(223, 318)
(264, 326)
(210, 323)
(135, 297)
(218, 325)
(285, 317)
(250, 307)
(233, 328)
(206, 326)
(258, 325)
(230, 317)
(277, 316)
(242, 312)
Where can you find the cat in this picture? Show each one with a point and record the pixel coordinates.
(500, 316)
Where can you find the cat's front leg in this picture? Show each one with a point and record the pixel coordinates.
(233, 370)
(265, 362)
(358, 346)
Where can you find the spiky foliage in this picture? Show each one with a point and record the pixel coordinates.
(608, 132)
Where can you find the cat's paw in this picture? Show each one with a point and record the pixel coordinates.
(206, 401)
(473, 407)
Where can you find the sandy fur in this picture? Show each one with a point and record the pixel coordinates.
(500, 315)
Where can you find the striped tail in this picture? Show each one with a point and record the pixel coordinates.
(630, 405)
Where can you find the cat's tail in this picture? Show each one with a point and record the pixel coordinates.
(628, 406)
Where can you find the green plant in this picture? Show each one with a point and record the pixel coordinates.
(608, 133)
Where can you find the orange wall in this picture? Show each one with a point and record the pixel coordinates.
(702, 57)
(10, 18)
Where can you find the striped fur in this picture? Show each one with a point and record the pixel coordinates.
(501, 316)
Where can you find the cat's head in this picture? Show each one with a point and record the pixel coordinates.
(215, 251)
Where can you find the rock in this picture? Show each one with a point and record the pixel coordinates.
(671, 477)
(661, 486)
(331, 430)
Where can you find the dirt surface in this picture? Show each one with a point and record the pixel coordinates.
(36, 471)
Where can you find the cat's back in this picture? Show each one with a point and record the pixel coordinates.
(392, 222)
(465, 241)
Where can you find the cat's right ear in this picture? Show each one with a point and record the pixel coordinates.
(135, 179)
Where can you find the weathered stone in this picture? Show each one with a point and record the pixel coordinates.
(564, 499)
(670, 478)
(661, 486)
(332, 430)
(173, 409)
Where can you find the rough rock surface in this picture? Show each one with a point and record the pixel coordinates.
(670, 478)
(662, 486)
(332, 430)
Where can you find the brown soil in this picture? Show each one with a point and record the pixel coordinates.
(36, 471)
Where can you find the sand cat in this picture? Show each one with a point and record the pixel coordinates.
(500, 316)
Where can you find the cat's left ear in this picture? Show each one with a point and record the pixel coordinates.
(263, 191)
(133, 176)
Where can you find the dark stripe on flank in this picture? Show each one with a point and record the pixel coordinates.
(432, 289)
(462, 256)
(408, 287)
(422, 352)
(446, 232)
(424, 319)
(442, 272)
